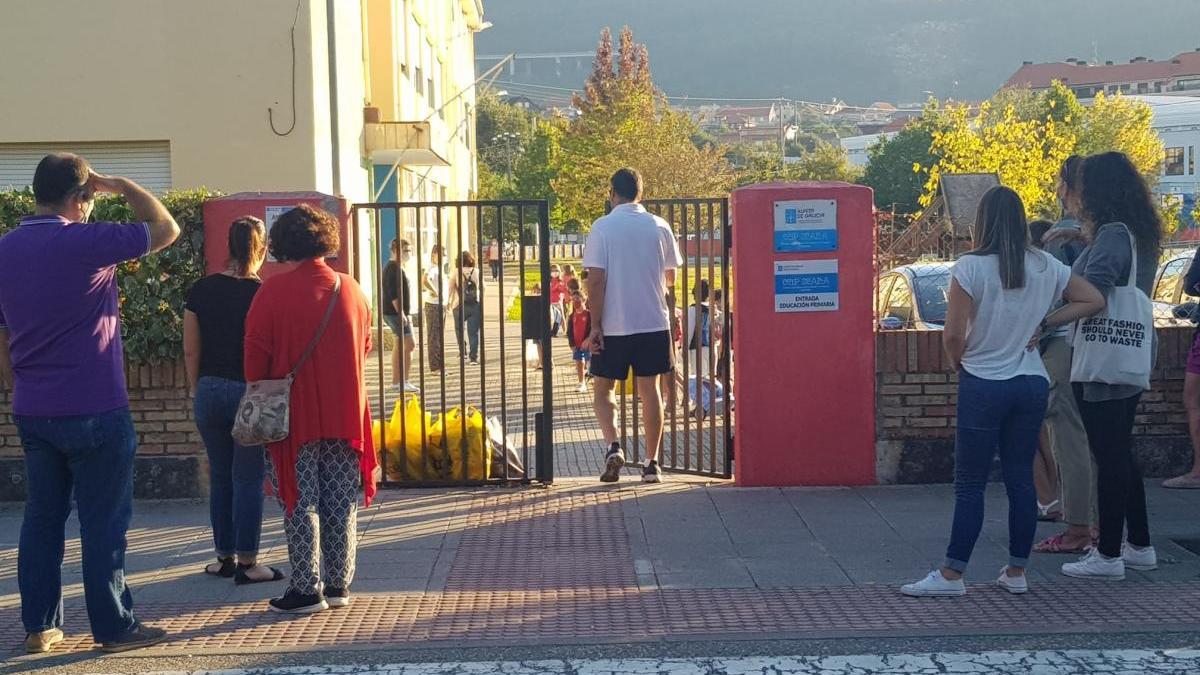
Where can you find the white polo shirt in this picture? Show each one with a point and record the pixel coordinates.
(635, 249)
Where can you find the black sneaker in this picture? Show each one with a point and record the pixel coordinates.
(652, 473)
(613, 461)
(337, 597)
(141, 636)
(294, 602)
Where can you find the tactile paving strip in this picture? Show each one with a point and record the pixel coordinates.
(536, 567)
(544, 616)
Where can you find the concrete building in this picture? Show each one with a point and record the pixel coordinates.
(1177, 75)
(1177, 121)
(856, 146)
(270, 95)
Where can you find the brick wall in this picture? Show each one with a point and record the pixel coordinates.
(170, 457)
(916, 397)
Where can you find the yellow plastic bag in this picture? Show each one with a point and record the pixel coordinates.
(447, 440)
(629, 383)
(404, 440)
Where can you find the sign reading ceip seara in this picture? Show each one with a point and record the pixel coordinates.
(806, 226)
(806, 286)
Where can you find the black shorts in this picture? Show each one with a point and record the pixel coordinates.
(649, 354)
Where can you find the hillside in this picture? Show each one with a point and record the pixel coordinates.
(857, 50)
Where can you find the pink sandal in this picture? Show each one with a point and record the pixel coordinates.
(1054, 544)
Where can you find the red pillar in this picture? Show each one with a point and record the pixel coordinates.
(804, 338)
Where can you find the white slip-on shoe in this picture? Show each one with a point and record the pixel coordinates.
(1014, 585)
(935, 586)
(1140, 559)
(1096, 566)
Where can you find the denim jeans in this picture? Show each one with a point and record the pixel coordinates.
(472, 316)
(1002, 416)
(236, 473)
(91, 455)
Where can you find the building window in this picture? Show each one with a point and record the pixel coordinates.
(1188, 84)
(1143, 87)
(1191, 160)
(1173, 166)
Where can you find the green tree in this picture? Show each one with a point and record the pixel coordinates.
(1025, 154)
(537, 167)
(1124, 124)
(499, 129)
(894, 168)
(625, 121)
(826, 162)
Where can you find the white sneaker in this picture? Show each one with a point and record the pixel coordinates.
(935, 586)
(1143, 560)
(1014, 585)
(394, 388)
(1095, 566)
(582, 388)
(410, 388)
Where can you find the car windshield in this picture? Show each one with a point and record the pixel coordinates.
(932, 293)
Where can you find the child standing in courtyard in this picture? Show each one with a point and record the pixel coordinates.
(579, 327)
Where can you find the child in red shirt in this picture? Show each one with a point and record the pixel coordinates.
(579, 327)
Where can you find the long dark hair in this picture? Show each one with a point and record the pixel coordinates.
(1000, 229)
(1112, 191)
(247, 244)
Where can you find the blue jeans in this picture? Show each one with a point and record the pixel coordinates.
(1004, 416)
(91, 455)
(236, 473)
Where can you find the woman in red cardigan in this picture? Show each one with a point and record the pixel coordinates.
(328, 457)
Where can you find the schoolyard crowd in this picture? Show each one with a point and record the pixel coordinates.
(1055, 331)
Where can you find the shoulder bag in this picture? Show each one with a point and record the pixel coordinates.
(1116, 345)
(264, 414)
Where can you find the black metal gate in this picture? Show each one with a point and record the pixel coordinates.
(464, 423)
(698, 425)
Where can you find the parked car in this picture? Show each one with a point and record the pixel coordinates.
(913, 297)
(1168, 292)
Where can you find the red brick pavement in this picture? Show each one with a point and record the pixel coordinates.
(543, 567)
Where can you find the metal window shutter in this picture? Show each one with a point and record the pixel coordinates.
(147, 163)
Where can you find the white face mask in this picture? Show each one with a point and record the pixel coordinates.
(406, 256)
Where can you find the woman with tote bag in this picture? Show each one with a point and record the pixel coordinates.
(1113, 355)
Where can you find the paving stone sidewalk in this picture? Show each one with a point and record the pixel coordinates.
(584, 563)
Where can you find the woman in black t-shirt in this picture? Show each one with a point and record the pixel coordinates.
(214, 321)
(397, 314)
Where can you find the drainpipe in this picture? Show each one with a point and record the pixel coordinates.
(335, 144)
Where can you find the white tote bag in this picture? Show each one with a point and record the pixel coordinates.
(1115, 346)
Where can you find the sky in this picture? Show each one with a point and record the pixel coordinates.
(859, 51)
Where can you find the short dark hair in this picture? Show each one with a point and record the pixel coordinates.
(304, 233)
(1038, 230)
(627, 184)
(701, 290)
(57, 176)
(1068, 173)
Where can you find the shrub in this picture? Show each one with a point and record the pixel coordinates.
(152, 289)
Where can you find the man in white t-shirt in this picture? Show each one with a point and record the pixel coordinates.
(631, 257)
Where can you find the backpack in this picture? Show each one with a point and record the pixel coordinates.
(470, 290)
(705, 331)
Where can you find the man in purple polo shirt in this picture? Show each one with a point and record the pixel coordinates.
(60, 351)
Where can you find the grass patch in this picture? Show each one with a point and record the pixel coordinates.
(533, 275)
